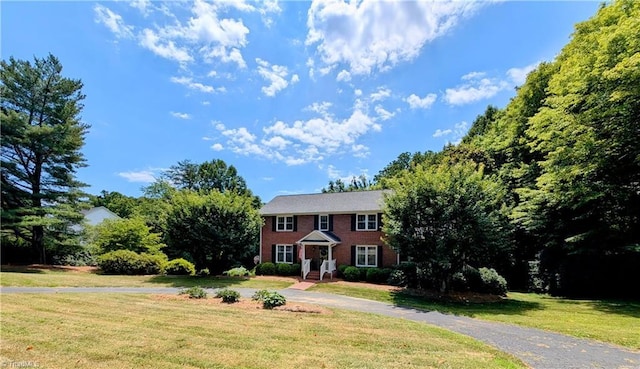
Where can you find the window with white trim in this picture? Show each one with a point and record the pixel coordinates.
(367, 222)
(323, 222)
(366, 256)
(284, 223)
(284, 254)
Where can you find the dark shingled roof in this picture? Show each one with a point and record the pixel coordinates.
(324, 203)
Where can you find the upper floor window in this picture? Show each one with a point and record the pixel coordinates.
(323, 222)
(284, 223)
(367, 222)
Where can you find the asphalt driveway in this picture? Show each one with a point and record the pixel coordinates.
(539, 349)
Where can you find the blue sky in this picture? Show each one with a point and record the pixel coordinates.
(293, 94)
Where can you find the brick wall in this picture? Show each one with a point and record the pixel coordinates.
(341, 228)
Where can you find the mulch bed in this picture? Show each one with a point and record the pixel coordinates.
(247, 304)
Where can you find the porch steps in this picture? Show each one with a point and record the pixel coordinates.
(314, 275)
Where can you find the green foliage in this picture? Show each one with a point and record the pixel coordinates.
(126, 234)
(179, 267)
(492, 282)
(397, 278)
(445, 217)
(260, 295)
(195, 292)
(267, 268)
(124, 206)
(203, 272)
(296, 269)
(283, 269)
(352, 274)
(131, 263)
(82, 258)
(237, 272)
(228, 296)
(341, 268)
(273, 299)
(360, 183)
(218, 230)
(42, 138)
(378, 275)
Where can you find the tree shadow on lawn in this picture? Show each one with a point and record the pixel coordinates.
(204, 282)
(22, 269)
(446, 305)
(619, 307)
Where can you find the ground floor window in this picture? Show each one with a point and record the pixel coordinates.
(366, 256)
(284, 254)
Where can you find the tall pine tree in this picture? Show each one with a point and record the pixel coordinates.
(42, 135)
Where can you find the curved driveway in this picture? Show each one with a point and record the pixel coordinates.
(537, 348)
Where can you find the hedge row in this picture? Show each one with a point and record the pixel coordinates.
(131, 263)
(282, 269)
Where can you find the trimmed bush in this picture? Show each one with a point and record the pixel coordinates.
(130, 263)
(341, 269)
(273, 299)
(267, 268)
(363, 273)
(492, 282)
(378, 275)
(228, 296)
(260, 295)
(295, 269)
(352, 274)
(283, 269)
(179, 267)
(195, 292)
(237, 272)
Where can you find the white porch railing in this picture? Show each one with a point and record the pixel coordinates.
(306, 267)
(328, 266)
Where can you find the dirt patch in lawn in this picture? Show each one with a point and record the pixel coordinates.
(246, 304)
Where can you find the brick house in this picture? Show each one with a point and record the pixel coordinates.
(322, 231)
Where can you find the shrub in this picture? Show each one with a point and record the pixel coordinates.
(363, 273)
(273, 299)
(378, 275)
(410, 271)
(259, 295)
(195, 292)
(341, 269)
(81, 258)
(126, 234)
(472, 279)
(267, 268)
(129, 262)
(237, 272)
(179, 267)
(203, 272)
(283, 269)
(459, 282)
(228, 296)
(492, 282)
(352, 274)
(397, 278)
(295, 269)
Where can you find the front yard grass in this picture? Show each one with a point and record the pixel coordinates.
(614, 322)
(36, 277)
(146, 331)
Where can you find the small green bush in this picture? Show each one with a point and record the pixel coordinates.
(267, 268)
(283, 269)
(203, 272)
(352, 274)
(397, 278)
(472, 279)
(295, 269)
(260, 295)
(228, 296)
(378, 275)
(237, 272)
(130, 263)
(492, 282)
(179, 267)
(363, 273)
(410, 271)
(195, 292)
(273, 299)
(459, 282)
(341, 269)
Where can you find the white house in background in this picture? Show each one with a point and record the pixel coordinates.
(96, 215)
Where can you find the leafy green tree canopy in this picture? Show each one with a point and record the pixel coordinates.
(126, 234)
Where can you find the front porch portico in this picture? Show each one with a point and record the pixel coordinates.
(321, 244)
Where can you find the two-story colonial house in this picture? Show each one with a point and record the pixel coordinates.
(321, 231)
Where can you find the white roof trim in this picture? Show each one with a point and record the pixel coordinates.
(318, 237)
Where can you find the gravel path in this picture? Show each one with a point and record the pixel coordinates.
(539, 349)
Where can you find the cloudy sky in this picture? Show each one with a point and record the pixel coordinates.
(293, 93)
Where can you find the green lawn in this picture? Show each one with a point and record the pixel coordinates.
(146, 331)
(31, 277)
(615, 322)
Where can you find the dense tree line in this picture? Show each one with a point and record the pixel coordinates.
(565, 152)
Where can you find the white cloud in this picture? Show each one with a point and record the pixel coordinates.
(205, 138)
(276, 75)
(217, 147)
(295, 79)
(474, 89)
(473, 75)
(383, 114)
(416, 102)
(369, 34)
(343, 76)
(442, 132)
(189, 83)
(164, 48)
(381, 94)
(320, 108)
(181, 115)
(225, 55)
(142, 5)
(519, 75)
(357, 92)
(206, 103)
(144, 176)
(113, 21)
(360, 151)
(276, 142)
